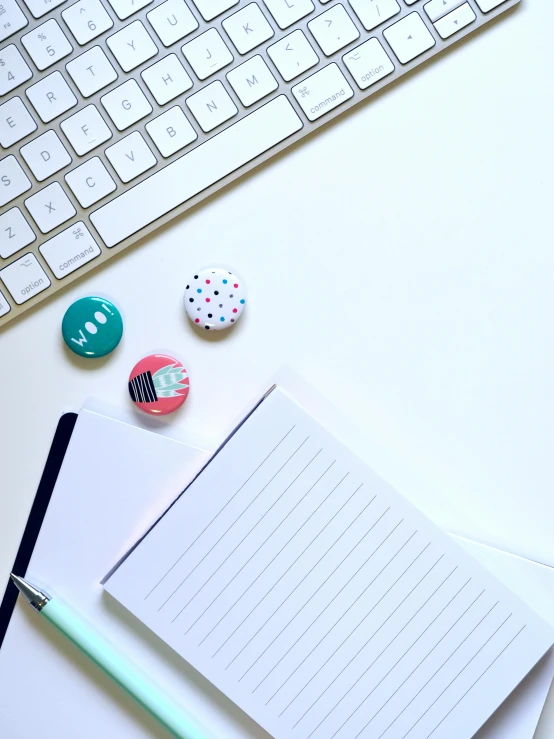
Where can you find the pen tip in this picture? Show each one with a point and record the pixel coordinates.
(19, 583)
(37, 598)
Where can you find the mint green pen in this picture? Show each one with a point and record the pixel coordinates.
(115, 665)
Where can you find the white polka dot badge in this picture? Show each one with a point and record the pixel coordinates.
(215, 299)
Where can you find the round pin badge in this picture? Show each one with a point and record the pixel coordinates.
(92, 327)
(215, 299)
(158, 384)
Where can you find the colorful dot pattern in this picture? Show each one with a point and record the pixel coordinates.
(215, 299)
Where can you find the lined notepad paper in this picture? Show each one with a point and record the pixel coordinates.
(321, 602)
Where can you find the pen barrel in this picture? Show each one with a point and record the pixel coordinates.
(123, 672)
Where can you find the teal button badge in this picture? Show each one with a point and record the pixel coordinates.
(92, 327)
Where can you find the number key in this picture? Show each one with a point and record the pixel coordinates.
(87, 19)
(46, 44)
(13, 69)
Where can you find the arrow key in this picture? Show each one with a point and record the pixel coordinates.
(409, 37)
(455, 21)
(435, 9)
(87, 19)
(333, 30)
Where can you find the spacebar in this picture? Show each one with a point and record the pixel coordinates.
(204, 166)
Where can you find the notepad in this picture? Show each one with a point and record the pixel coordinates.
(320, 601)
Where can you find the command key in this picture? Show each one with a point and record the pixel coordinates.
(322, 92)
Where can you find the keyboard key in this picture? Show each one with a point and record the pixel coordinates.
(12, 19)
(252, 81)
(171, 131)
(46, 44)
(4, 306)
(51, 97)
(90, 182)
(70, 250)
(125, 8)
(172, 21)
(132, 46)
(166, 79)
(13, 68)
(248, 28)
(45, 155)
(194, 172)
(15, 122)
(286, 13)
(24, 278)
(368, 63)
(372, 14)
(437, 8)
(322, 92)
(40, 7)
(293, 55)
(487, 5)
(409, 38)
(207, 54)
(455, 21)
(130, 157)
(333, 30)
(13, 180)
(212, 106)
(210, 9)
(50, 207)
(87, 19)
(15, 233)
(92, 71)
(86, 130)
(126, 105)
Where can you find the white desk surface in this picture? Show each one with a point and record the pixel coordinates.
(401, 260)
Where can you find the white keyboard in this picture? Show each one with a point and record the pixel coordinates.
(117, 115)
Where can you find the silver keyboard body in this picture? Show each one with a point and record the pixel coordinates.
(91, 247)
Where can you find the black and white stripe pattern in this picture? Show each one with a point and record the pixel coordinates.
(141, 388)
